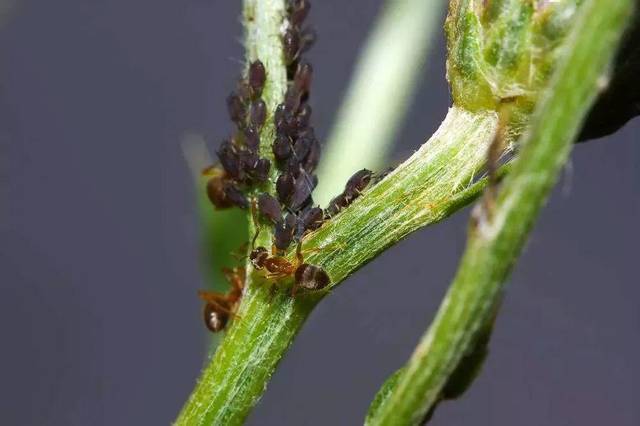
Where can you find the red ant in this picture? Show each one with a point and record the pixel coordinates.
(306, 275)
(220, 307)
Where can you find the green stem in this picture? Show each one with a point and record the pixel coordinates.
(496, 239)
(436, 179)
(421, 191)
(380, 92)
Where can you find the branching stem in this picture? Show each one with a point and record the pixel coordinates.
(496, 238)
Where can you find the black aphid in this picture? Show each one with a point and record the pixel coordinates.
(257, 113)
(298, 11)
(257, 77)
(312, 218)
(282, 148)
(269, 208)
(228, 156)
(284, 230)
(291, 45)
(251, 138)
(235, 196)
(284, 187)
(236, 108)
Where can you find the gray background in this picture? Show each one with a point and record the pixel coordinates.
(99, 319)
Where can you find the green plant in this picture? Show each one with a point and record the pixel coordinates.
(507, 59)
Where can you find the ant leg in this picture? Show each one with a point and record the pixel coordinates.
(212, 297)
(235, 277)
(240, 253)
(272, 292)
(299, 256)
(256, 222)
(221, 304)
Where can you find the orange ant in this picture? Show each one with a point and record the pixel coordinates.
(306, 275)
(220, 307)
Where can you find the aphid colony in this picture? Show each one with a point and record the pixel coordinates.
(296, 151)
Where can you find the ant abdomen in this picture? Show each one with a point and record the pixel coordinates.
(215, 319)
(311, 277)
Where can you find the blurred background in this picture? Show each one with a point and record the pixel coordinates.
(99, 262)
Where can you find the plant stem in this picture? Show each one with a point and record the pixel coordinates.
(421, 191)
(436, 179)
(496, 239)
(380, 92)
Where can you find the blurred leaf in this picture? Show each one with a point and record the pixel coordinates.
(620, 101)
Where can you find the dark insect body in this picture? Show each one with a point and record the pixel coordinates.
(257, 77)
(352, 190)
(220, 307)
(306, 276)
(258, 113)
(269, 208)
(236, 108)
(284, 232)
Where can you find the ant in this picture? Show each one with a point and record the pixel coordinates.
(220, 307)
(306, 275)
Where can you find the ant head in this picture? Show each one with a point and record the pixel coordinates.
(258, 256)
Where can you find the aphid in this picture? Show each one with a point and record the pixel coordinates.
(220, 307)
(284, 231)
(303, 186)
(269, 208)
(335, 205)
(291, 45)
(285, 186)
(313, 157)
(352, 190)
(257, 77)
(281, 148)
(312, 218)
(299, 9)
(302, 78)
(244, 90)
(357, 183)
(236, 108)
(303, 117)
(258, 113)
(228, 156)
(301, 147)
(260, 171)
(292, 101)
(251, 138)
(234, 195)
(284, 121)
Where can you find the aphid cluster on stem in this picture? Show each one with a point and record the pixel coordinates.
(290, 211)
(241, 166)
(296, 149)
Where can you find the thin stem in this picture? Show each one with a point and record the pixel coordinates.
(380, 92)
(496, 240)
